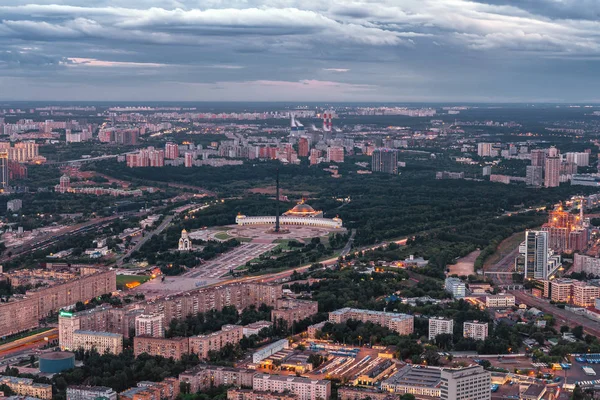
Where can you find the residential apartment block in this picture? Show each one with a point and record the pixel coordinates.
(149, 325)
(215, 341)
(401, 323)
(239, 295)
(249, 394)
(19, 314)
(167, 389)
(102, 342)
(158, 346)
(439, 325)
(99, 319)
(292, 310)
(26, 387)
(475, 330)
(205, 376)
(574, 292)
(90, 393)
(304, 388)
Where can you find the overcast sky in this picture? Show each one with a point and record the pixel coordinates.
(300, 50)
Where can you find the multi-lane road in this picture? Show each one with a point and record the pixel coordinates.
(20, 346)
(145, 238)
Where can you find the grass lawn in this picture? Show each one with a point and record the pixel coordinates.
(222, 236)
(122, 280)
(283, 244)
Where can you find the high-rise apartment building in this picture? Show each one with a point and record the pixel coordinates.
(536, 255)
(565, 231)
(534, 175)
(475, 330)
(315, 156)
(149, 325)
(587, 264)
(303, 147)
(538, 158)
(3, 170)
(23, 151)
(384, 160)
(335, 154)
(149, 157)
(439, 325)
(189, 160)
(552, 169)
(171, 151)
(579, 159)
(471, 383)
(484, 149)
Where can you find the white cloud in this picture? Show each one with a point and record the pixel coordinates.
(92, 62)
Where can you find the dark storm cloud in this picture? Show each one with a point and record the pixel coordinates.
(300, 49)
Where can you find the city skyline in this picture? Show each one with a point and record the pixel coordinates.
(262, 50)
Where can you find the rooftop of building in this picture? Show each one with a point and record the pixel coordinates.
(131, 391)
(295, 379)
(410, 375)
(345, 310)
(440, 319)
(95, 333)
(224, 328)
(207, 367)
(57, 355)
(96, 389)
(460, 372)
(258, 324)
(262, 392)
(302, 210)
(535, 390)
(16, 380)
(163, 339)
